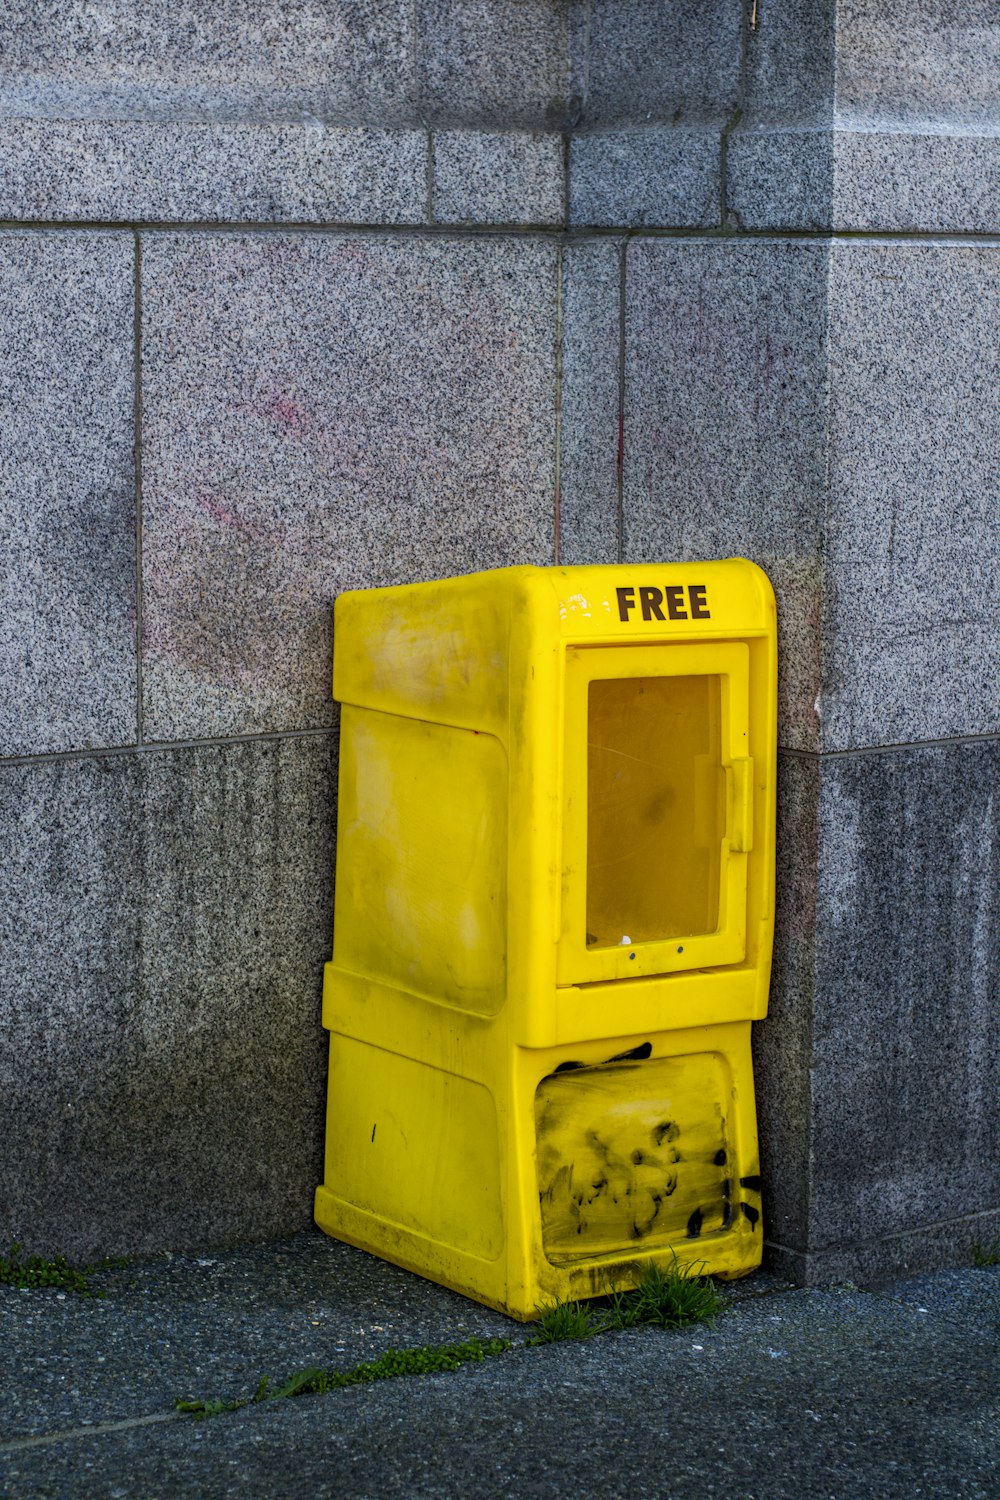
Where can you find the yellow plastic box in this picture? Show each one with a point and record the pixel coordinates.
(553, 925)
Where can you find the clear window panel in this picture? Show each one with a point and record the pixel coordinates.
(655, 808)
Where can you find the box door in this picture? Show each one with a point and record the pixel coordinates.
(657, 810)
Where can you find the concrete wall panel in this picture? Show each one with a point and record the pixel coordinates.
(67, 576)
(164, 922)
(906, 1029)
(913, 581)
(324, 413)
(591, 366)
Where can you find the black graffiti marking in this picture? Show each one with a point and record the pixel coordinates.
(719, 1158)
(753, 1183)
(751, 1214)
(694, 1224)
(567, 1067)
(666, 1131)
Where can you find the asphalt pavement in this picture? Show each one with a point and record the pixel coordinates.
(843, 1392)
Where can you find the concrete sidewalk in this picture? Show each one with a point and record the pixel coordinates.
(836, 1393)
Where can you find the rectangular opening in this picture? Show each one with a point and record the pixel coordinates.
(656, 811)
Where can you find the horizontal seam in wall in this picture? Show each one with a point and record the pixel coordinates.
(471, 231)
(159, 746)
(840, 1246)
(894, 749)
(824, 236)
(273, 226)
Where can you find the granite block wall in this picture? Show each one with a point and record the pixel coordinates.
(302, 296)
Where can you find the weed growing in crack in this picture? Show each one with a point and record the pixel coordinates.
(312, 1381)
(672, 1298)
(985, 1255)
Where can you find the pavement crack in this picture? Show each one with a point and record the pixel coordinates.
(93, 1429)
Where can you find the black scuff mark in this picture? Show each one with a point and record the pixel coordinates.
(667, 1130)
(694, 1224)
(598, 1188)
(373, 1131)
(567, 1067)
(634, 1054)
(727, 1188)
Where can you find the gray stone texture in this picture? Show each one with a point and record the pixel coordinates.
(137, 170)
(938, 183)
(663, 60)
(864, 115)
(780, 179)
(663, 176)
(487, 65)
(791, 60)
(918, 65)
(779, 391)
(912, 575)
(323, 413)
(779, 159)
(164, 922)
(906, 1028)
(922, 1249)
(67, 579)
(589, 429)
(819, 178)
(725, 426)
(483, 177)
(256, 60)
(878, 1068)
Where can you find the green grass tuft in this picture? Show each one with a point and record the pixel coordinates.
(58, 1274)
(985, 1255)
(565, 1320)
(672, 1298)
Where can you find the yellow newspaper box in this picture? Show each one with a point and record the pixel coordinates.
(553, 925)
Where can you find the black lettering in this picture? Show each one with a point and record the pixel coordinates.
(699, 604)
(626, 601)
(675, 603)
(651, 599)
